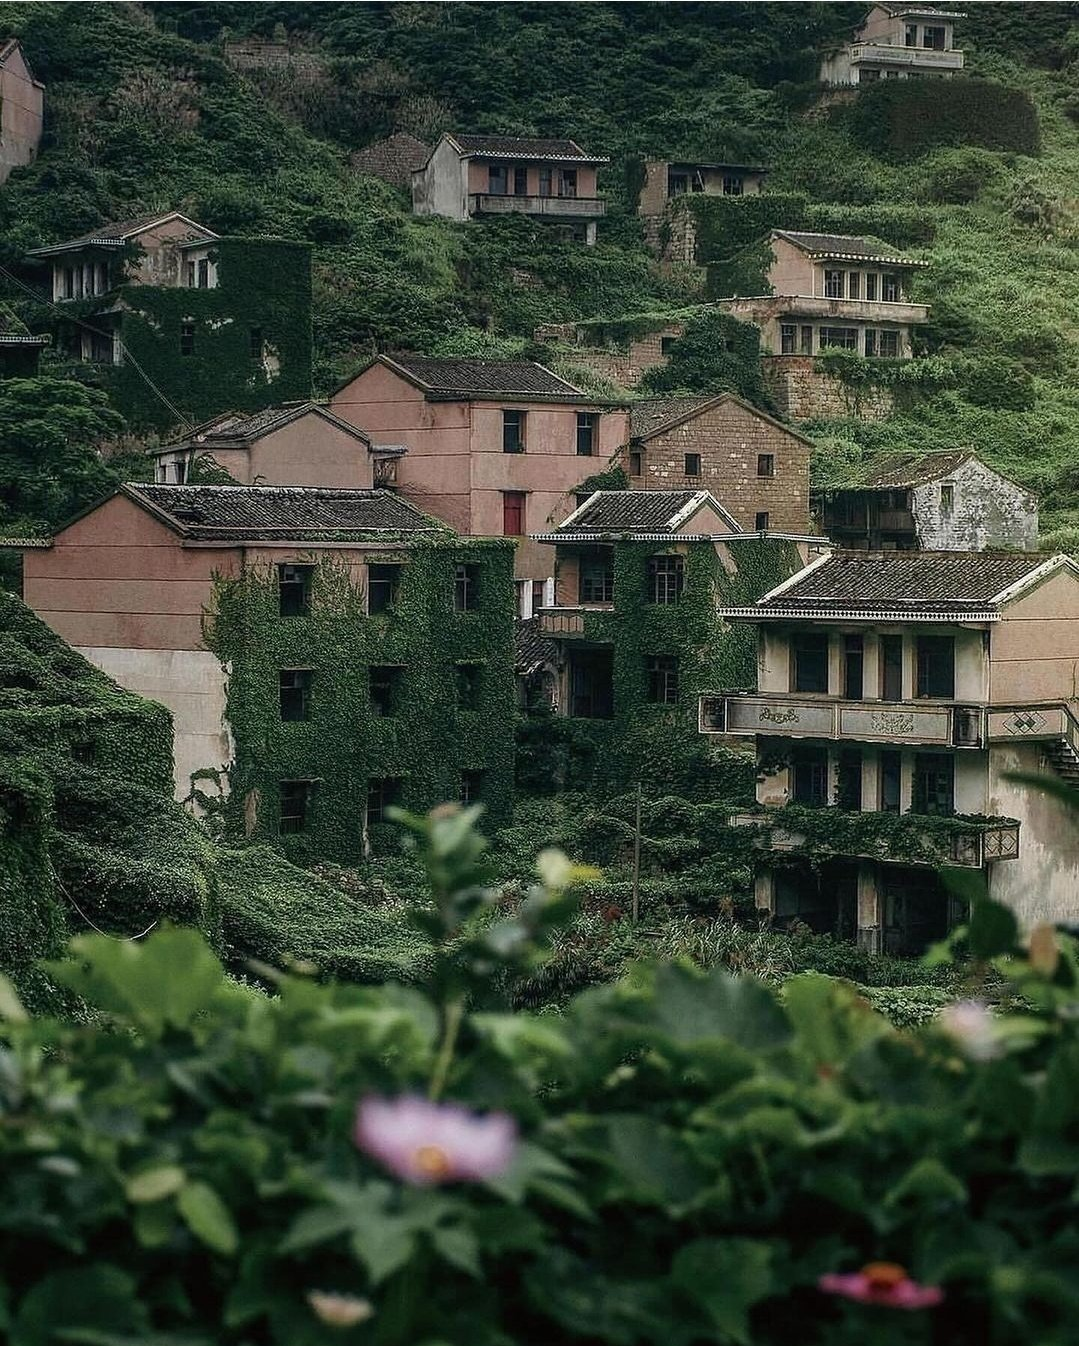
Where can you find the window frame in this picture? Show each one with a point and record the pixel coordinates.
(692, 465)
(468, 684)
(595, 576)
(384, 683)
(387, 789)
(934, 678)
(666, 573)
(381, 600)
(514, 502)
(761, 521)
(514, 422)
(297, 576)
(833, 283)
(662, 672)
(587, 433)
(766, 465)
(810, 659)
(467, 586)
(298, 793)
(296, 696)
(187, 339)
(933, 785)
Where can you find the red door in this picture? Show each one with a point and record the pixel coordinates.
(513, 513)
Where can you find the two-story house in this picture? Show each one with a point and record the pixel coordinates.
(496, 448)
(899, 694)
(664, 181)
(467, 176)
(829, 291)
(327, 652)
(897, 42)
(22, 109)
(945, 501)
(180, 323)
(757, 466)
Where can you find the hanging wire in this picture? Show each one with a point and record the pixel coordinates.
(117, 939)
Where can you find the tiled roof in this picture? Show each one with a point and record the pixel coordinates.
(902, 582)
(532, 650)
(241, 427)
(393, 159)
(280, 513)
(525, 147)
(652, 414)
(115, 233)
(631, 512)
(896, 10)
(912, 469)
(846, 245)
(484, 378)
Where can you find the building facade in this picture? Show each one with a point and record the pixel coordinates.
(465, 177)
(495, 448)
(179, 323)
(947, 501)
(897, 42)
(664, 181)
(325, 652)
(755, 465)
(898, 695)
(22, 109)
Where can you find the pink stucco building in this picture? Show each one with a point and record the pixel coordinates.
(22, 108)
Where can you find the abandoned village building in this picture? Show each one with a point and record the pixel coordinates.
(897, 42)
(22, 109)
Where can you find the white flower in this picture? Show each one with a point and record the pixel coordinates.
(971, 1025)
(339, 1310)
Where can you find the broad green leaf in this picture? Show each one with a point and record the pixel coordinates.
(101, 1297)
(927, 1182)
(154, 1184)
(725, 1277)
(692, 1008)
(530, 1164)
(652, 1161)
(208, 1218)
(318, 1224)
(829, 1018)
(458, 1246)
(384, 1244)
(993, 929)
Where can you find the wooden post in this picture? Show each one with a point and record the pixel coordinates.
(637, 859)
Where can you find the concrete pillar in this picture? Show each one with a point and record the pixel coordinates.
(764, 892)
(906, 780)
(835, 664)
(590, 233)
(870, 908)
(871, 667)
(870, 779)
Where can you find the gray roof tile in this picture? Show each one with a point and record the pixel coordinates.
(629, 511)
(653, 413)
(243, 427)
(846, 245)
(526, 147)
(523, 379)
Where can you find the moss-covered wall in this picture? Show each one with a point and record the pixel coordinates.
(429, 740)
(263, 284)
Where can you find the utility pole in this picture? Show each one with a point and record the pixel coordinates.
(637, 859)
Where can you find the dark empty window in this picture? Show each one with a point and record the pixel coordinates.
(662, 672)
(187, 338)
(890, 289)
(256, 343)
(933, 38)
(733, 184)
(849, 779)
(806, 341)
(586, 433)
(635, 464)
(871, 285)
(666, 344)
(382, 793)
(567, 182)
(891, 765)
(677, 183)
(766, 464)
(891, 668)
(469, 686)
(513, 432)
(871, 348)
(809, 773)
(666, 578)
(294, 692)
(204, 273)
(889, 345)
(471, 786)
(693, 464)
(545, 181)
(760, 521)
(295, 797)
(190, 272)
(833, 284)
(466, 588)
(853, 667)
(788, 338)
(910, 34)
(936, 666)
(382, 582)
(854, 281)
(809, 658)
(294, 590)
(934, 783)
(513, 513)
(520, 180)
(844, 337)
(384, 688)
(596, 584)
(947, 497)
(496, 179)
(592, 683)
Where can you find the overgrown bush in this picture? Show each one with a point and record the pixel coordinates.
(904, 118)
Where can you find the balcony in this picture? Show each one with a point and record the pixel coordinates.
(853, 310)
(560, 622)
(891, 838)
(912, 58)
(790, 716)
(558, 207)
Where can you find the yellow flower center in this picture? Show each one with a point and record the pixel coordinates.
(884, 1275)
(432, 1161)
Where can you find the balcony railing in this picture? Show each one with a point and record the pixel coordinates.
(569, 621)
(564, 207)
(905, 839)
(854, 310)
(924, 58)
(789, 716)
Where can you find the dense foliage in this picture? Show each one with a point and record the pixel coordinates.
(681, 1157)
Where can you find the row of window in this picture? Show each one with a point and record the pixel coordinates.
(681, 183)
(296, 799)
(82, 280)
(197, 274)
(933, 36)
(514, 436)
(766, 463)
(877, 343)
(862, 284)
(294, 588)
(591, 686)
(666, 578)
(256, 344)
(507, 180)
(932, 785)
(934, 666)
(384, 684)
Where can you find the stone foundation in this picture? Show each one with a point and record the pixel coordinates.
(803, 393)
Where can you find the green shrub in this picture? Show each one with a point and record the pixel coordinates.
(959, 176)
(904, 118)
(997, 382)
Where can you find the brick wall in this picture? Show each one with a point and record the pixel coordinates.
(729, 438)
(803, 393)
(624, 367)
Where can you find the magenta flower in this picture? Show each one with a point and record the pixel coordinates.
(426, 1143)
(883, 1283)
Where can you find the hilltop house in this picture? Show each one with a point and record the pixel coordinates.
(335, 651)
(666, 180)
(947, 501)
(897, 42)
(165, 303)
(637, 574)
(829, 291)
(496, 448)
(466, 176)
(897, 694)
(758, 467)
(22, 109)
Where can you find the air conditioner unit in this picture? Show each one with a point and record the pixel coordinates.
(966, 727)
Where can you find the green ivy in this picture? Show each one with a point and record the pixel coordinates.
(901, 119)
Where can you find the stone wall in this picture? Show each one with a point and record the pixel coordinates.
(624, 366)
(803, 393)
(987, 511)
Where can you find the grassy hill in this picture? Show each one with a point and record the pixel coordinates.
(143, 112)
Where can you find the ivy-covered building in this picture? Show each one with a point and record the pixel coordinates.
(179, 323)
(900, 693)
(324, 653)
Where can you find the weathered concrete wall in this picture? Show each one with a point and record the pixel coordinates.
(987, 511)
(803, 393)
(22, 106)
(1034, 648)
(1043, 883)
(441, 188)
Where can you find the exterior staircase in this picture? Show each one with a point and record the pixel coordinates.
(1064, 760)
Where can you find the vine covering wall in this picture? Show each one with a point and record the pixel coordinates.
(425, 744)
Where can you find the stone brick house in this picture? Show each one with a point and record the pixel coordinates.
(466, 176)
(898, 695)
(394, 159)
(666, 181)
(496, 448)
(22, 109)
(947, 501)
(897, 42)
(756, 466)
(213, 322)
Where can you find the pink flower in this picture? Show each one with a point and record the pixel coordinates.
(883, 1283)
(426, 1143)
(970, 1024)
